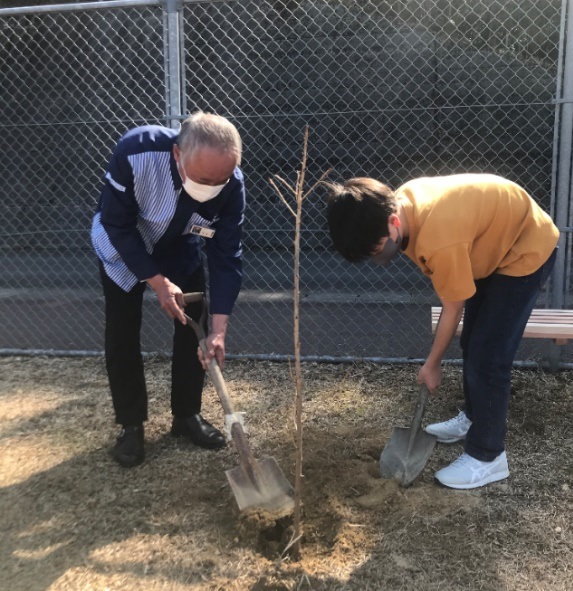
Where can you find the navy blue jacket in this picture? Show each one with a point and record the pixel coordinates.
(142, 225)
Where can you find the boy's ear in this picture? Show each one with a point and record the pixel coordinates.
(395, 220)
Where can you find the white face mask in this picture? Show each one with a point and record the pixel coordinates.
(200, 192)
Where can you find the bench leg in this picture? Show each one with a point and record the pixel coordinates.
(553, 356)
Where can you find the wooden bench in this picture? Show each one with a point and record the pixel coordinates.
(542, 324)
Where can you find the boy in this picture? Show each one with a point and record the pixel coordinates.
(488, 249)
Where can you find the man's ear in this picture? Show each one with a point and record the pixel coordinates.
(176, 152)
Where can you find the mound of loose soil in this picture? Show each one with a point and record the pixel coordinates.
(71, 519)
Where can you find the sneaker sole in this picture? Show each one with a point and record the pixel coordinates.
(441, 440)
(489, 480)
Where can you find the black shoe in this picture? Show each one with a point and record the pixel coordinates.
(199, 431)
(129, 450)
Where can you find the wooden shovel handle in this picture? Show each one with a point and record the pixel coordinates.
(214, 370)
(196, 296)
(247, 460)
(218, 381)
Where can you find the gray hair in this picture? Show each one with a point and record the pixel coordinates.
(205, 130)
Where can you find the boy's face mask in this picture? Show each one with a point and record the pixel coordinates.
(390, 249)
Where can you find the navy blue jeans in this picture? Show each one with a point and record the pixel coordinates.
(494, 321)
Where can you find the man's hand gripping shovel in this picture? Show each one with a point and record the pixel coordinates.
(255, 484)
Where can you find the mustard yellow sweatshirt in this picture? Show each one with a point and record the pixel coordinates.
(468, 226)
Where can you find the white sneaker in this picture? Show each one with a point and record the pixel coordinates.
(451, 431)
(467, 472)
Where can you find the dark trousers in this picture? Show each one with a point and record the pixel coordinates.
(494, 321)
(124, 363)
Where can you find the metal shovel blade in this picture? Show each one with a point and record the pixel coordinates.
(408, 449)
(270, 490)
(400, 461)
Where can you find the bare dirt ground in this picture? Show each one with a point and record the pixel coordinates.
(71, 519)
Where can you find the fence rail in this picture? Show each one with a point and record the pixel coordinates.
(389, 90)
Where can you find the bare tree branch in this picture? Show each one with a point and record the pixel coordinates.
(322, 177)
(275, 187)
(300, 183)
(289, 187)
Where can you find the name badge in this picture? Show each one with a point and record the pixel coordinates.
(202, 231)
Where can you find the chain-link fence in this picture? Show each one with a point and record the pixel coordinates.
(392, 90)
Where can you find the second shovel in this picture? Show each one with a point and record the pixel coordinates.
(408, 449)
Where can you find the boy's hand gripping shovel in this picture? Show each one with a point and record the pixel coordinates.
(255, 484)
(408, 449)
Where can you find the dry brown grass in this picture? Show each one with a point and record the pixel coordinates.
(70, 519)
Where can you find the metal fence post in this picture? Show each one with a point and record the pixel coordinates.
(173, 34)
(561, 209)
(563, 185)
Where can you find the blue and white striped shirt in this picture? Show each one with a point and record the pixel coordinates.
(142, 225)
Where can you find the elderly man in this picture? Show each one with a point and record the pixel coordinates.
(488, 248)
(166, 192)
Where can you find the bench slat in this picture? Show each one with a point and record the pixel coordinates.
(542, 324)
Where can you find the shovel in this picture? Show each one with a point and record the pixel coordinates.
(255, 484)
(408, 449)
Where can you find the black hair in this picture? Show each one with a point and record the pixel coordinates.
(357, 213)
